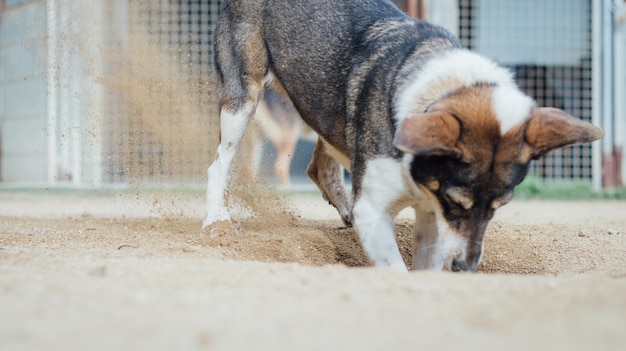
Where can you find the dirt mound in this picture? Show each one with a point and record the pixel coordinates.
(517, 249)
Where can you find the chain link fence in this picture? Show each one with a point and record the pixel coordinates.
(163, 125)
(158, 120)
(548, 45)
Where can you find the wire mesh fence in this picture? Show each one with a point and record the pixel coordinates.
(162, 106)
(548, 46)
(159, 120)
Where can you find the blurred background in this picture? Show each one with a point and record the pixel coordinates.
(106, 93)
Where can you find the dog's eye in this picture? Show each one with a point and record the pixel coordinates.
(502, 200)
(459, 197)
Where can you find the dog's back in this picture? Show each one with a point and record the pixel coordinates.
(329, 73)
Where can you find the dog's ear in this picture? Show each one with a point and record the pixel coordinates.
(429, 134)
(551, 128)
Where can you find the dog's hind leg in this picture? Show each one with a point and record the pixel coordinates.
(232, 127)
(242, 71)
(327, 174)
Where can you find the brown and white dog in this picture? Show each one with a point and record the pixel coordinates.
(419, 121)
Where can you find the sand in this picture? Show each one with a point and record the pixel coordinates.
(131, 271)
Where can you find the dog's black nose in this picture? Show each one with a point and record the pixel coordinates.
(460, 266)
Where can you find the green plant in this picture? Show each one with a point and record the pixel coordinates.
(537, 188)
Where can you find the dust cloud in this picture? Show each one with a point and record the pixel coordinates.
(159, 117)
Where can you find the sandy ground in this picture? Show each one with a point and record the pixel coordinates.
(130, 271)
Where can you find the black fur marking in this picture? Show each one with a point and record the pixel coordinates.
(484, 189)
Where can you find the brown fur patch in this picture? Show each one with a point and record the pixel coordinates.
(433, 133)
(480, 128)
(512, 147)
(481, 143)
(463, 123)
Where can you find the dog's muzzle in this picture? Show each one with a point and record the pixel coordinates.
(461, 266)
(467, 264)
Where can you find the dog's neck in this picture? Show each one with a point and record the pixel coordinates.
(442, 72)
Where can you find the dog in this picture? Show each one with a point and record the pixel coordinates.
(418, 120)
(279, 123)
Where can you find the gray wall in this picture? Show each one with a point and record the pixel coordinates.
(23, 93)
(557, 35)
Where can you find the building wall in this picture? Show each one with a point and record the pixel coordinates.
(620, 65)
(535, 32)
(23, 123)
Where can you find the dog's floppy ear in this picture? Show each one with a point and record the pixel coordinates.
(551, 128)
(429, 134)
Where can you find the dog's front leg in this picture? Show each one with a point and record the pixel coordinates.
(379, 192)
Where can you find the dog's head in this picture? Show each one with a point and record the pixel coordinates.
(471, 148)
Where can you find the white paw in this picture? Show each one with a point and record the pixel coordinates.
(212, 219)
(399, 267)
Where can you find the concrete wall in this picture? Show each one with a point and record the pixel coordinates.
(556, 28)
(23, 120)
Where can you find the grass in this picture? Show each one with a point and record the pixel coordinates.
(537, 188)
